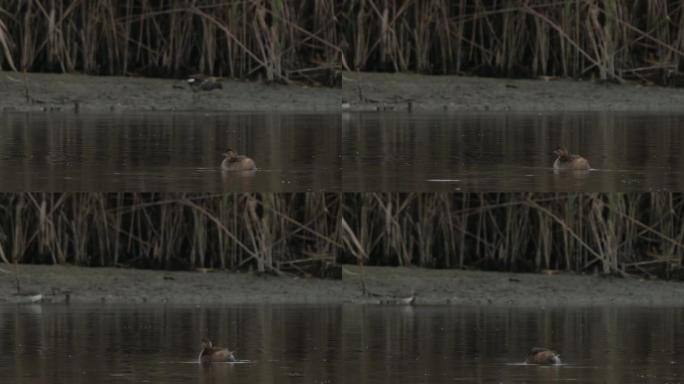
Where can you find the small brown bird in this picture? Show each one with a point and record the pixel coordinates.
(569, 161)
(542, 356)
(235, 162)
(211, 354)
(200, 82)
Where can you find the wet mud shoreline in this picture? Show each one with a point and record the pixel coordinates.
(411, 92)
(384, 285)
(361, 91)
(72, 92)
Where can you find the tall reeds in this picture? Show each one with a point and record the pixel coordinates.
(614, 233)
(273, 39)
(613, 39)
(640, 233)
(175, 231)
(294, 39)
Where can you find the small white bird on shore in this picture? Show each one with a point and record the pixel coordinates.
(200, 82)
(27, 297)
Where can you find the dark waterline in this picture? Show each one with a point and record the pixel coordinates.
(340, 344)
(511, 152)
(178, 152)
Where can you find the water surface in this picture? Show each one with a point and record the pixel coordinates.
(479, 152)
(511, 152)
(340, 344)
(167, 152)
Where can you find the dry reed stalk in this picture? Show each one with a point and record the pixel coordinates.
(529, 232)
(610, 39)
(168, 231)
(6, 43)
(174, 38)
(618, 233)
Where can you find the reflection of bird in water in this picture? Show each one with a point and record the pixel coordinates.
(542, 356)
(200, 82)
(235, 162)
(211, 354)
(569, 161)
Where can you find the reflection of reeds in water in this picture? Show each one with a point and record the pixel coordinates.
(236, 231)
(616, 233)
(279, 39)
(613, 39)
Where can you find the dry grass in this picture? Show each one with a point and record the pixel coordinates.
(611, 40)
(613, 233)
(176, 231)
(273, 39)
(6, 44)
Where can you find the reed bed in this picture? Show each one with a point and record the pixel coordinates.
(172, 231)
(610, 40)
(605, 233)
(277, 40)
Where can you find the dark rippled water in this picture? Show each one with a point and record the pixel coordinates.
(511, 152)
(339, 344)
(167, 152)
(493, 152)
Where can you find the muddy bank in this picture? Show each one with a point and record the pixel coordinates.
(401, 92)
(384, 284)
(69, 92)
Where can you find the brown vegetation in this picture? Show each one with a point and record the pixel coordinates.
(614, 233)
(613, 40)
(175, 231)
(276, 39)
(308, 39)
